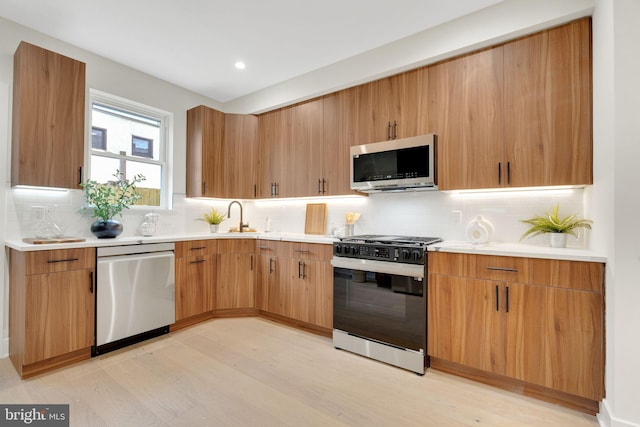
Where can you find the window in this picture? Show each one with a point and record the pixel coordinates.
(139, 138)
(98, 138)
(142, 147)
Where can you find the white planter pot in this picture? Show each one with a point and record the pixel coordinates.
(214, 227)
(558, 240)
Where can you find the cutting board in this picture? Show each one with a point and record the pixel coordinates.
(316, 220)
(45, 241)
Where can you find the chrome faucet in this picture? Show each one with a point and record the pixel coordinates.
(242, 225)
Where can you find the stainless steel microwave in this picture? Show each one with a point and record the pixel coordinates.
(407, 164)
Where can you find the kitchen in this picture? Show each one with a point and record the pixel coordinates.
(420, 214)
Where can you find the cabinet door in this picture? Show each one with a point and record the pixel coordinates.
(340, 114)
(373, 121)
(464, 325)
(547, 92)
(409, 104)
(554, 339)
(205, 133)
(235, 281)
(240, 155)
(272, 160)
(195, 285)
(319, 274)
(465, 112)
(48, 119)
(303, 147)
(59, 315)
(297, 290)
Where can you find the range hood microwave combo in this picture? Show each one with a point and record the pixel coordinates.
(407, 164)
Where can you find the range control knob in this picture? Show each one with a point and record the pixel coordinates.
(417, 255)
(338, 249)
(406, 254)
(354, 250)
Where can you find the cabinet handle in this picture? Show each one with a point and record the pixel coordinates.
(51, 261)
(324, 181)
(499, 173)
(91, 281)
(262, 247)
(303, 251)
(277, 189)
(388, 130)
(255, 190)
(204, 187)
(304, 270)
(197, 248)
(395, 130)
(198, 261)
(497, 299)
(270, 265)
(510, 270)
(319, 185)
(80, 175)
(508, 172)
(251, 262)
(507, 299)
(299, 269)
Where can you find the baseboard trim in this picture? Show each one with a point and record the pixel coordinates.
(606, 418)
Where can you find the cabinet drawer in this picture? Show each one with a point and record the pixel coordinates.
(451, 264)
(236, 246)
(315, 251)
(269, 247)
(42, 262)
(196, 247)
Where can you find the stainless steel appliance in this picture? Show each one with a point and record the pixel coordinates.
(397, 165)
(379, 305)
(135, 294)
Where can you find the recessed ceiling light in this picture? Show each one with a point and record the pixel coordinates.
(240, 65)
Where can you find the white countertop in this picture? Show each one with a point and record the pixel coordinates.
(519, 250)
(136, 240)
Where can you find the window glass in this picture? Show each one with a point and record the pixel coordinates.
(137, 145)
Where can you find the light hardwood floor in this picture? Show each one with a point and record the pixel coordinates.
(253, 372)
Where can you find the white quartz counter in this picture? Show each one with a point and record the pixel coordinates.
(136, 240)
(519, 250)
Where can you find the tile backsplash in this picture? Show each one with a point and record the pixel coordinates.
(429, 213)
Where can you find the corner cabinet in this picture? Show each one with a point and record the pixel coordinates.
(47, 145)
(195, 279)
(51, 308)
(516, 115)
(205, 134)
(538, 322)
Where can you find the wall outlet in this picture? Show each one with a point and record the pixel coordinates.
(456, 217)
(38, 213)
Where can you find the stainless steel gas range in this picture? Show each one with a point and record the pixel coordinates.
(379, 307)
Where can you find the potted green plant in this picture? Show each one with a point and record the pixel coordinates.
(104, 201)
(556, 227)
(213, 218)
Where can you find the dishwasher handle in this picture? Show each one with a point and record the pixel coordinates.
(149, 255)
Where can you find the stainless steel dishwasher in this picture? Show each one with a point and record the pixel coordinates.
(135, 294)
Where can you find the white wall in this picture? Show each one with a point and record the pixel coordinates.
(617, 149)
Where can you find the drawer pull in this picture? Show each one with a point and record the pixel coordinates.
(263, 247)
(198, 248)
(302, 251)
(507, 290)
(197, 261)
(511, 270)
(51, 261)
(497, 299)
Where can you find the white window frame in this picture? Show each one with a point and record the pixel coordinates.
(164, 153)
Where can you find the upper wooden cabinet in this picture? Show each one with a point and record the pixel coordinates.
(221, 154)
(240, 155)
(394, 107)
(47, 147)
(205, 133)
(516, 115)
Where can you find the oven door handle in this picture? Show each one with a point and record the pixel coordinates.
(400, 269)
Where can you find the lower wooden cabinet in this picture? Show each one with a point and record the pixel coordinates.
(195, 278)
(296, 281)
(236, 274)
(537, 321)
(51, 308)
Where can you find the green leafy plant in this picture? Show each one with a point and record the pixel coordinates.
(212, 217)
(108, 200)
(552, 223)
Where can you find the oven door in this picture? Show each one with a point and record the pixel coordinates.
(380, 301)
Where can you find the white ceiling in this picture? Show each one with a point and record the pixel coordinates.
(195, 43)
